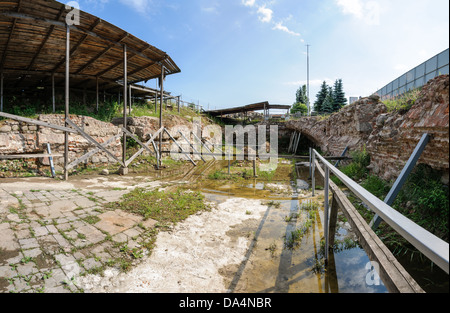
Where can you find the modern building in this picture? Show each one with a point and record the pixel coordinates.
(417, 77)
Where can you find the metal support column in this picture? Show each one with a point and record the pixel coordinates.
(161, 86)
(326, 210)
(97, 99)
(310, 160)
(66, 111)
(1, 91)
(389, 200)
(313, 173)
(131, 101)
(53, 94)
(124, 169)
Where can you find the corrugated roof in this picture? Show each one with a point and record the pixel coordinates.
(32, 48)
(248, 108)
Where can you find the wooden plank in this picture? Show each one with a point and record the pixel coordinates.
(135, 138)
(186, 155)
(151, 141)
(92, 152)
(39, 123)
(92, 140)
(191, 145)
(393, 274)
(28, 156)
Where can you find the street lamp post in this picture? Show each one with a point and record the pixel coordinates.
(307, 53)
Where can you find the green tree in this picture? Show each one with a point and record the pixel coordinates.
(328, 103)
(299, 107)
(301, 95)
(321, 96)
(339, 98)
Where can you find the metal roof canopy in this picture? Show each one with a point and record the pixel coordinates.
(248, 108)
(32, 37)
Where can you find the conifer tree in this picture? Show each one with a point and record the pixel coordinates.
(328, 103)
(339, 99)
(301, 95)
(321, 95)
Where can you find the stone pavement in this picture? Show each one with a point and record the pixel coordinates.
(51, 232)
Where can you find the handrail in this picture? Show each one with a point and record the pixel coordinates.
(436, 249)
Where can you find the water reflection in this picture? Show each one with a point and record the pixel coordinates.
(272, 266)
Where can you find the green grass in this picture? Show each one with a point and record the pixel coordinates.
(423, 199)
(293, 239)
(403, 103)
(163, 206)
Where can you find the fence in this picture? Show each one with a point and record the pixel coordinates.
(431, 246)
(417, 77)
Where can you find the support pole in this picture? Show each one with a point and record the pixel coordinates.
(297, 143)
(53, 93)
(333, 221)
(307, 74)
(402, 177)
(178, 103)
(326, 211)
(310, 160)
(97, 100)
(124, 169)
(129, 112)
(1, 91)
(50, 159)
(66, 111)
(161, 85)
(342, 155)
(313, 173)
(254, 168)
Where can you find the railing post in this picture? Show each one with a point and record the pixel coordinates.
(310, 154)
(313, 178)
(326, 210)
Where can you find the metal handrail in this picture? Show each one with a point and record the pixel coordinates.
(436, 249)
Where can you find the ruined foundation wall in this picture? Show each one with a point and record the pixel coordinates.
(22, 138)
(390, 138)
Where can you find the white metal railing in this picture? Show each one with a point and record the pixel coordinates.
(436, 249)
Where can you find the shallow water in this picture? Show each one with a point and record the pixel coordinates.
(271, 266)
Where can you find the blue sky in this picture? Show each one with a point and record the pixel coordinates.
(237, 52)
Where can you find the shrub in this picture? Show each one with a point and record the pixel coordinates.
(357, 169)
(402, 103)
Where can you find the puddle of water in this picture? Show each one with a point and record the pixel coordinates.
(270, 266)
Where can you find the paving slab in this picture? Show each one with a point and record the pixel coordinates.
(49, 243)
(114, 222)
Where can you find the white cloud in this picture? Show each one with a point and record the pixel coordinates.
(265, 14)
(354, 7)
(280, 26)
(248, 3)
(366, 11)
